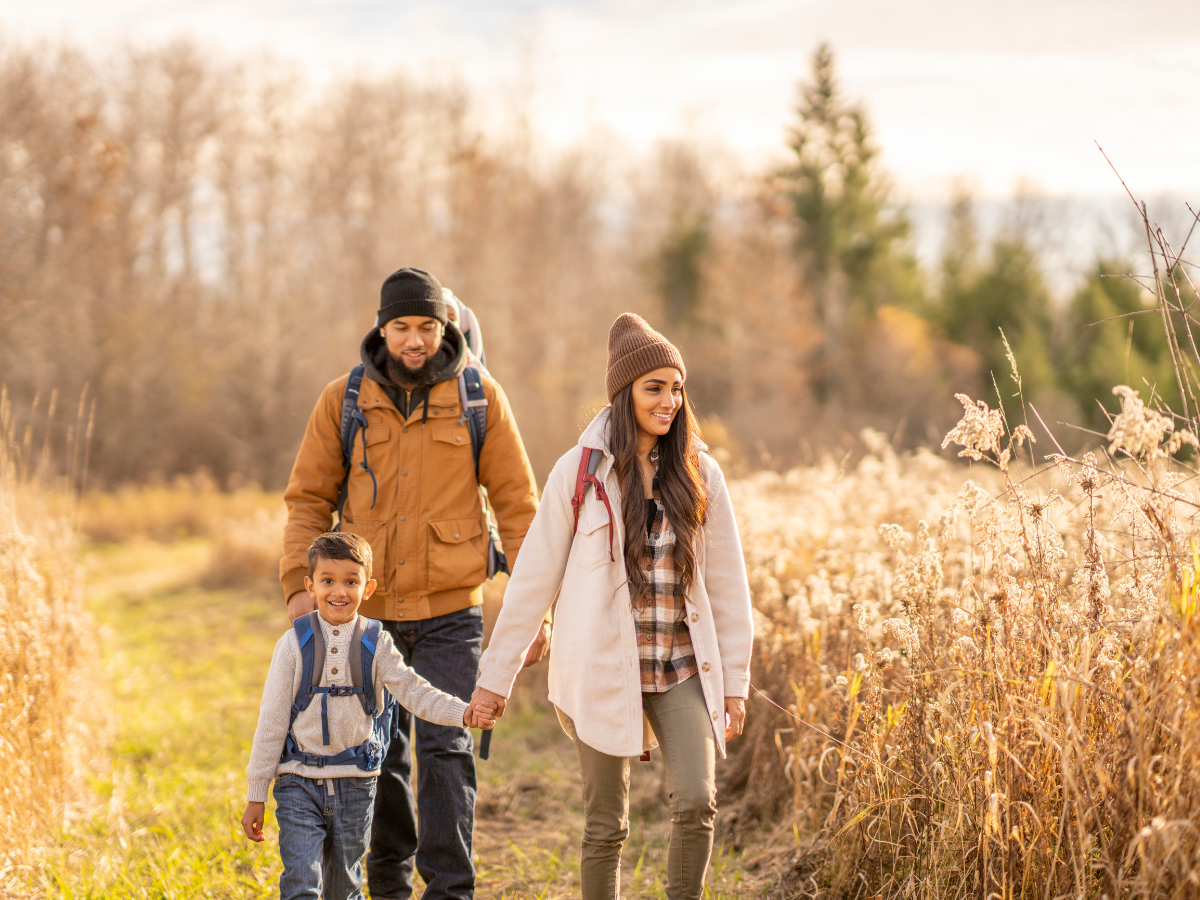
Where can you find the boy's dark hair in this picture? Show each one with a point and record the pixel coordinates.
(339, 545)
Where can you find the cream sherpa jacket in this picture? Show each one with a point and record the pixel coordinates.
(594, 668)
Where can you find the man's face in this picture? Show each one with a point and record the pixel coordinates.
(413, 340)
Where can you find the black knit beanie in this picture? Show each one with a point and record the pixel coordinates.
(411, 292)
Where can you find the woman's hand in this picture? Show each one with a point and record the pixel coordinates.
(483, 698)
(252, 820)
(735, 717)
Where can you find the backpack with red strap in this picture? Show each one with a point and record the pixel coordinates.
(588, 463)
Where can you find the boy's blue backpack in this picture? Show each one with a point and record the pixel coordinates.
(474, 416)
(368, 755)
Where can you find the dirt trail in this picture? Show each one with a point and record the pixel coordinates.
(186, 667)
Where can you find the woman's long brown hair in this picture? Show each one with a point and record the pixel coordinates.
(679, 484)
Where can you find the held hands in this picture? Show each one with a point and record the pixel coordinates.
(486, 700)
(252, 820)
(735, 717)
(480, 714)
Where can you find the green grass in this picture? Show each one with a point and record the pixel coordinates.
(186, 667)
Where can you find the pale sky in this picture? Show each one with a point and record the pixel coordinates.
(994, 92)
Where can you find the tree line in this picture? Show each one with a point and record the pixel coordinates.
(199, 243)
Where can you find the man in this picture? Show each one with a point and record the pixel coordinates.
(412, 494)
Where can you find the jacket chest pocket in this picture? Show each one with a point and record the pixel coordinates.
(457, 553)
(366, 484)
(594, 544)
(450, 442)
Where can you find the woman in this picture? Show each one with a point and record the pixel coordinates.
(652, 630)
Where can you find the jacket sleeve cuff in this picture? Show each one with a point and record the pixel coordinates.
(257, 792)
(737, 684)
(496, 680)
(292, 582)
(461, 709)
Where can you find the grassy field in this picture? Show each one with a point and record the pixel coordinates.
(185, 667)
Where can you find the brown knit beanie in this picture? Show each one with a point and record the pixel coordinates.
(634, 348)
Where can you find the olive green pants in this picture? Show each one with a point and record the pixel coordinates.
(679, 718)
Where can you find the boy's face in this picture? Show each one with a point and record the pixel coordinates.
(339, 586)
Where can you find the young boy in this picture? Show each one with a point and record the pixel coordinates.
(325, 757)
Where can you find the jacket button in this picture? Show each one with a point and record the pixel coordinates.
(399, 599)
(458, 437)
(695, 618)
(400, 615)
(405, 429)
(404, 518)
(456, 535)
(334, 671)
(401, 562)
(435, 412)
(333, 649)
(706, 667)
(404, 471)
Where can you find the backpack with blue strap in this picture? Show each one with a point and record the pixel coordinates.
(474, 416)
(370, 753)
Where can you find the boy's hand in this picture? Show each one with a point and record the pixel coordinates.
(480, 715)
(252, 820)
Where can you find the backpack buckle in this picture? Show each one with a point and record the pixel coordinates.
(343, 690)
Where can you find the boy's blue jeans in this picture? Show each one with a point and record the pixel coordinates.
(445, 651)
(323, 831)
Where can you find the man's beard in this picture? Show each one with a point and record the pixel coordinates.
(402, 375)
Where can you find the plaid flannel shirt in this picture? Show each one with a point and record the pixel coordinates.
(660, 618)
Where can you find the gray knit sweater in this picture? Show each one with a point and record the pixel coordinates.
(349, 725)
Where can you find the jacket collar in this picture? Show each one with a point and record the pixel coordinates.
(596, 433)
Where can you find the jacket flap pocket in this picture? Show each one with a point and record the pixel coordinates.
(458, 436)
(456, 531)
(376, 433)
(592, 517)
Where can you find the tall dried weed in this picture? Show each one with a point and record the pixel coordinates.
(51, 717)
(991, 691)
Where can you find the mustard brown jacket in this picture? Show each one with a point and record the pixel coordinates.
(423, 515)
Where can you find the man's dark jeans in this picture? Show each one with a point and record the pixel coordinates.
(445, 652)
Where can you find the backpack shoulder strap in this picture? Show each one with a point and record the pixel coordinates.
(312, 659)
(362, 660)
(349, 421)
(318, 645)
(352, 421)
(474, 404)
(589, 462)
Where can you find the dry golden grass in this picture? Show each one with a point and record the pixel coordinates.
(993, 689)
(51, 717)
(245, 526)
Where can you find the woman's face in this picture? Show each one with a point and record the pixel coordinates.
(657, 397)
